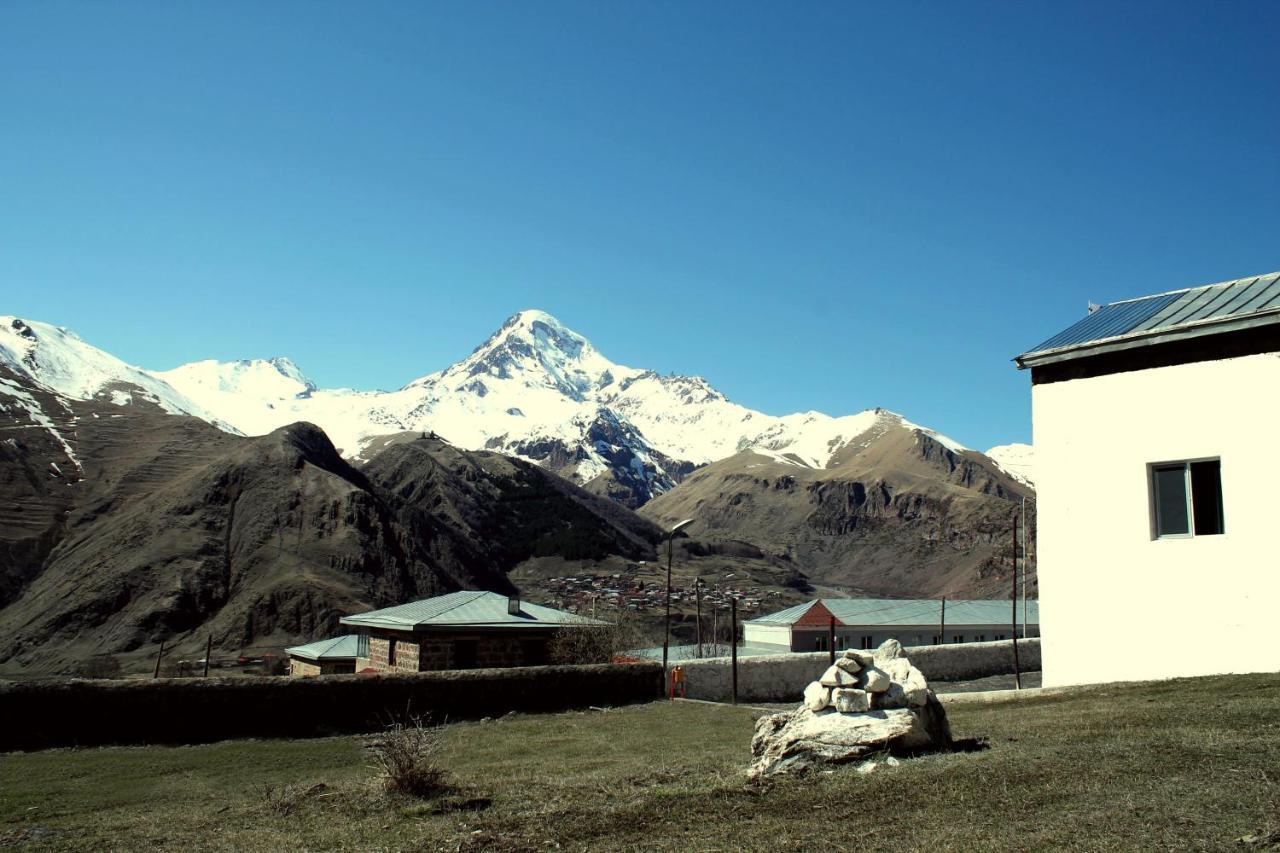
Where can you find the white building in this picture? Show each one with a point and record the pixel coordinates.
(865, 623)
(1157, 481)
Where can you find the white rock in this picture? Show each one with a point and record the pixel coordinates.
(864, 658)
(848, 700)
(874, 680)
(850, 665)
(816, 696)
(806, 738)
(889, 650)
(837, 677)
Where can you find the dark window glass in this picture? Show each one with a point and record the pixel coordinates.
(1171, 500)
(362, 644)
(464, 654)
(1206, 497)
(391, 652)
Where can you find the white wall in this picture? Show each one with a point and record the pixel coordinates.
(770, 635)
(1116, 604)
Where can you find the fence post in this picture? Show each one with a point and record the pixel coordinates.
(159, 655)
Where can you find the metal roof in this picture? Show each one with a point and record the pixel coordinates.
(334, 648)
(874, 612)
(1192, 312)
(469, 608)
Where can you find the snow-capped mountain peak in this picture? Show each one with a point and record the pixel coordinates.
(535, 388)
(1017, 460)
(56, 358)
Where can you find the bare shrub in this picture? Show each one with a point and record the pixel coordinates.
(407, 755)
(596, 643)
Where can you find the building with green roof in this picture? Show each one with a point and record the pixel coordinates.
(461, 630)
(332, 656)
(865, 623)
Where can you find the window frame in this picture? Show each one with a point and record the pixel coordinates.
(1188, 494)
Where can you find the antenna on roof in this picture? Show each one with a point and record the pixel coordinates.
(1093, 306)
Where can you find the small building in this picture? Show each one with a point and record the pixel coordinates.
(333, 656)
(865, 623)
(1152, 423)
(461, 630)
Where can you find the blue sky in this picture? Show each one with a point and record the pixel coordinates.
(816, 206)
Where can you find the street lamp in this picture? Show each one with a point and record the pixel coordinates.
(666, 626)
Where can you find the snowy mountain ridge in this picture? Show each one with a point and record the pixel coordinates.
(534, 388)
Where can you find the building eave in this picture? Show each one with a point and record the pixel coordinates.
(1153, 337)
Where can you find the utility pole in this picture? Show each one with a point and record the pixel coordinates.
(715, 632)
(831, 639)
(1024, 567)
(942, 624)
(208, 649)
(666, 627)
(159, 655)
(697, 591)
(1017, 674)
(733, 643)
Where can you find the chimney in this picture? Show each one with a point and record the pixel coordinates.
(513, 606)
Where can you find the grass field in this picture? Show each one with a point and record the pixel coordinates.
(1189, 764)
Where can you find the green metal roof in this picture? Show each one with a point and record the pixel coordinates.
(1227, 306)
(334, 648)
(470, 609)
(897, 612)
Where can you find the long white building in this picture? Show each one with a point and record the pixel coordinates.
(1157, 480)
(865, 623)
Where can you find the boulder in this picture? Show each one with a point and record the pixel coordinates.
(889, 650)
(908, 688)
(816, 696)
(837, 677)
(863, 658)
(874, 680)
(803, 739)
(849, 665)
(848, 700)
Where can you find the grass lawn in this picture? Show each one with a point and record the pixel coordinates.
(1188, 764)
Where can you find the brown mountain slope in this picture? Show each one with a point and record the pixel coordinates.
(171, 530)
(895, 513)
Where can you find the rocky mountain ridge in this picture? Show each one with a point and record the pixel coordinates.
(534, 389)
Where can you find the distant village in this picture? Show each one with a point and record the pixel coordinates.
(587, 594)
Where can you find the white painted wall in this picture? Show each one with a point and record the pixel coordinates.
(767, 635)
(1116, 604)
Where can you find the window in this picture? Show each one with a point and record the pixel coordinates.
(465, 654)
(362, 644)
(391, 653)
(867, 642)
(1000, 636)
(1187, 498)
(958, 638)
(981, 638)
(937, 639)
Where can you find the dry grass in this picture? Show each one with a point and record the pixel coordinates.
(1191, 764)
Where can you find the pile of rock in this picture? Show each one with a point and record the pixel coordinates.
(865, 702)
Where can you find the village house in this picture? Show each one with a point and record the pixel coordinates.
(334, 656)
(865, 623)
(461, 630)
(1156, 482)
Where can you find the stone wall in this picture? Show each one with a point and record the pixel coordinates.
(76, 712)
(429, 653)
(782, 678)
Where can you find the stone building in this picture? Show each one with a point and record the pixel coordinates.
(461, 630)
(1152, 424)
(865, 623)
(333, 656)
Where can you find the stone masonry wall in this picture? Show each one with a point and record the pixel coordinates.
(782, 678)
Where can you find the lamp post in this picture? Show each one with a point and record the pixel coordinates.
(666, 627)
